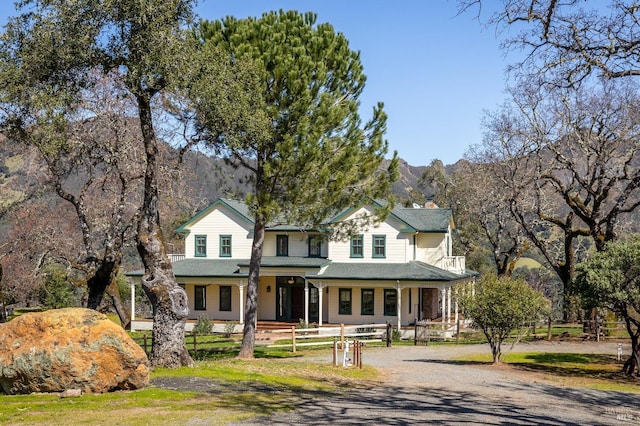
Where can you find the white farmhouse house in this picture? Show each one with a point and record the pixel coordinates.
(400, 270)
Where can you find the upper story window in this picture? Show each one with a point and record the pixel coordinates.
(282, 245)
(225, 245)
(200, 246)
(357, 246)
(315, 246)
(379, 246)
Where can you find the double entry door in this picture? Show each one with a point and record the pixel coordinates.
(290, 299)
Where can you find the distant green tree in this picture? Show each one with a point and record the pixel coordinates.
(285, 108)
(611, 279)
(57, 291)
(502, 305)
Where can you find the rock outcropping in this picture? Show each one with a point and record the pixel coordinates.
(71, 348)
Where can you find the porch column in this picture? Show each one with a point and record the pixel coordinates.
(306, 301)
(320, 293)
(443, 294)
(399, 305)
(449, 305)
(241, 289)
(133, 302)
(456, 311)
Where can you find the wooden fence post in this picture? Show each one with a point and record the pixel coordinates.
(293, 337)
(195, 344)
(335, 351)
(388, 334)
(341, 336)
(458, 331)
(144, 340)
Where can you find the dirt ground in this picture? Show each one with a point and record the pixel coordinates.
(425, 385)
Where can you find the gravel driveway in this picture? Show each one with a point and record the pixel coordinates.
(426, 386)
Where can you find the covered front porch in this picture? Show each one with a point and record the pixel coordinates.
(333, 294)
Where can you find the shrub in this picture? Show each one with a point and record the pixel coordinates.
(203, 326)
(229, 328)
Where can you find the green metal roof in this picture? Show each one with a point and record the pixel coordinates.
(424, 219)
(289, 262)
(217, 268)
(239, 207)
(411, 271)
(230, 268)
(415, 219)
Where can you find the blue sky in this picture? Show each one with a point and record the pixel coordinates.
(435, 72)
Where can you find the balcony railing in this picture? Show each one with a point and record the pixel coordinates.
(453, 264)
(176, 257)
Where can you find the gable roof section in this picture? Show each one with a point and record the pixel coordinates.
(238, 207)
(415, 219)
(425, 219)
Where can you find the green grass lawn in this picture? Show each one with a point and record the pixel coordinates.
(231, 390)
(238, 390)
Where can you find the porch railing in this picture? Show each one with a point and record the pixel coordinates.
(453, 264)
(176, 257)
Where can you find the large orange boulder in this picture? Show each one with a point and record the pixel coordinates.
(71, 348)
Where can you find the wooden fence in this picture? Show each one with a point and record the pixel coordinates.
(193, 341)
(329, 335)
(426, 331)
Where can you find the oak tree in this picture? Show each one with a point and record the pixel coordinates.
(611, 279)
(50, 54)
(575, 173)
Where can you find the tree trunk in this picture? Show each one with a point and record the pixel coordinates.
(251, 305)
(3, 311)
(633, 362)
(496, 352)
(104, 281)
(169, 300)
(123, 312)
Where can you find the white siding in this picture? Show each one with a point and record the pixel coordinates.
(298, 244)
(220, 221)
(431, 248)
(397, 244)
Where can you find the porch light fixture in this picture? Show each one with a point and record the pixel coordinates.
(268, 289)
(291, 280)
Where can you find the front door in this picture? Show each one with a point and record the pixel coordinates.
(290, 300)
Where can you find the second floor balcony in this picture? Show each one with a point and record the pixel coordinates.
(455, 264)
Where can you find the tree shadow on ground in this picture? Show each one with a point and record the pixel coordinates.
(393, 405)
